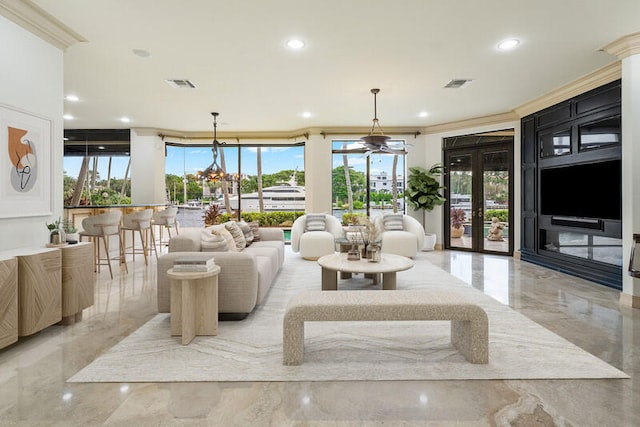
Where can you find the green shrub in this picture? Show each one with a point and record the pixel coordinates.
(501, 214)
(352, 218)
(266, 219)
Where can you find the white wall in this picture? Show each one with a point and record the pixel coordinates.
(31, 79)
(630, 169)
(147, 168)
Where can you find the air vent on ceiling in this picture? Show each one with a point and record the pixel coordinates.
(458, 83)
(180, 84)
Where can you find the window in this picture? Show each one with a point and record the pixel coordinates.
(281, 166)
(367, 187)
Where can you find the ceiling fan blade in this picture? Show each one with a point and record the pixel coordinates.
(388, 150)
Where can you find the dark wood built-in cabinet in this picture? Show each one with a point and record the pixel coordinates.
(572, 186)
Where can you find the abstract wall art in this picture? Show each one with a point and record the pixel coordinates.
(25, 163)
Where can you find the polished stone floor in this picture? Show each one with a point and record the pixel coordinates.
(34, 391)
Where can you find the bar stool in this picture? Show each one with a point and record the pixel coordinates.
(140, 221)
(166, 219)
(103, 226)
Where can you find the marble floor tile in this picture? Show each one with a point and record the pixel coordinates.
(34, 391)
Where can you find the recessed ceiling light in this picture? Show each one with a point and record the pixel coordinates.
(101, 147)
(295, 44)
(306, 114)
(141, 53)
(67, 117)
(125, 119)
(508, 44)
(423, 114)
(72, 98)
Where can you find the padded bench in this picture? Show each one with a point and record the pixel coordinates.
(469, 322)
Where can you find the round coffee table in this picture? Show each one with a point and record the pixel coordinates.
(388, 266)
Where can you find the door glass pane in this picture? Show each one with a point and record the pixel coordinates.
(495, 189)
(460, 196)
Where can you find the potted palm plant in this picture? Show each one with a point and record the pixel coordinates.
(423, 192)
(458, 217)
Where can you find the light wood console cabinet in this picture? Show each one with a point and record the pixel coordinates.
(39, 290)
(40, 287)
(8, 301)
(77, 280)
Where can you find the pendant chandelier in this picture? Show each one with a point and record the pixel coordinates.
(214, 172)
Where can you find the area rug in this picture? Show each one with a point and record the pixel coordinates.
(251, 349)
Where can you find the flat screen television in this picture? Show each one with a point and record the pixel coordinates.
(592, 190)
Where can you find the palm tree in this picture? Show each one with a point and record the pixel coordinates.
(225, 189)
(259, 160)
(347, 178)
(394, 183)
(82, 176)
(124, 181)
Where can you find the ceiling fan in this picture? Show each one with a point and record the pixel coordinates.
(377, 141)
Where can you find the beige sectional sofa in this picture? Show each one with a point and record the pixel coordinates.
(245, 277)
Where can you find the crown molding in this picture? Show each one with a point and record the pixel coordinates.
(624, 46)
(472, 123)
(208, 135)
(584, 84)
(297, 134)
(36, 20)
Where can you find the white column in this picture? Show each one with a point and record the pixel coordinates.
(627, 49)
(317, 174)
(147, 168)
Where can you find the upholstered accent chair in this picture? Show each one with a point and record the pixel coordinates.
(314, 235)
(400, 234)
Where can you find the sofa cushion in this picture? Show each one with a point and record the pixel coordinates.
(315, 222)
(266, 274)
(268, 252)
(210, 242)
(393, 222)
(246, 230)
(237, 234)
(221, 230)
(255, 229)
(276, 244)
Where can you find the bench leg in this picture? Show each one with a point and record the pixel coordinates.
(471, 339)
(292, 342)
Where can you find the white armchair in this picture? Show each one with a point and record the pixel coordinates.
(316, 237)
(406, 240)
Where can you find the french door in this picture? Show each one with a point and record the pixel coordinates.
(479, 193)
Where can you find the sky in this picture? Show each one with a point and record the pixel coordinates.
(190, 160)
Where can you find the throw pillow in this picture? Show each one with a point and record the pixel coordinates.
(255, 229)
(246, 230)
(222, 231)
(315, 222)
(212, 242)
(393, 222)
(238, 235)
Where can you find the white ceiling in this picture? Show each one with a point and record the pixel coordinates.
(235, 53)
